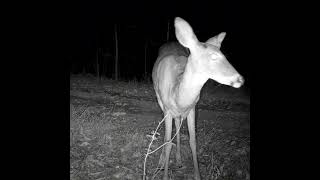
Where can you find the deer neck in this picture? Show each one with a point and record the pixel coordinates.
(190, 86)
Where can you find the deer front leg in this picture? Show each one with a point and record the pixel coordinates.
(193, 145)
(164, 158)
(178, 152)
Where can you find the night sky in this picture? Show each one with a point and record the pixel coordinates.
(92, 26)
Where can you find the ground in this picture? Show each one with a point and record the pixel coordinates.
(111, 124)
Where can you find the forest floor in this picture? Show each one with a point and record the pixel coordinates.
(111, 124)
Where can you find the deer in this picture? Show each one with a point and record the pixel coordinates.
(179, 73)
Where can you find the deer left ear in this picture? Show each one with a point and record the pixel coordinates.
(184, 33)
(217, 40)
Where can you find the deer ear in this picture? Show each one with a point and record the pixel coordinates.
(217, 40)
(184, 33)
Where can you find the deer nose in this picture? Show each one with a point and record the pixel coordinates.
(241, 80)
(238, 82)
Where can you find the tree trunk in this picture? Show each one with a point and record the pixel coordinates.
(116, 56)
(168, 31)
(98, 54)
(145, 58)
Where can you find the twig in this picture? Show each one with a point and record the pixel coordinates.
(153, 138)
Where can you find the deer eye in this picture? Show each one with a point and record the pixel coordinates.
(215, 55)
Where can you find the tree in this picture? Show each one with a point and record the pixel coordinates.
(116, 74)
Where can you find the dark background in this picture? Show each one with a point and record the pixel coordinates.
(278, 37)
(141, 23)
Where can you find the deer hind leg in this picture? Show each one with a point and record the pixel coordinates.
(164, 158)
(193, 145)
(178, 152)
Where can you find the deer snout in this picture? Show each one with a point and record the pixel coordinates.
(237, 82)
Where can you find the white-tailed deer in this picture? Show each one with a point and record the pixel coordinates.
(178, 76)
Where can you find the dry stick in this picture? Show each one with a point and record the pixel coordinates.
(153, 137)
(177, 131)
(168, 141)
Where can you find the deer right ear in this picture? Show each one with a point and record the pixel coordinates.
(217, 40)
(184, 33)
